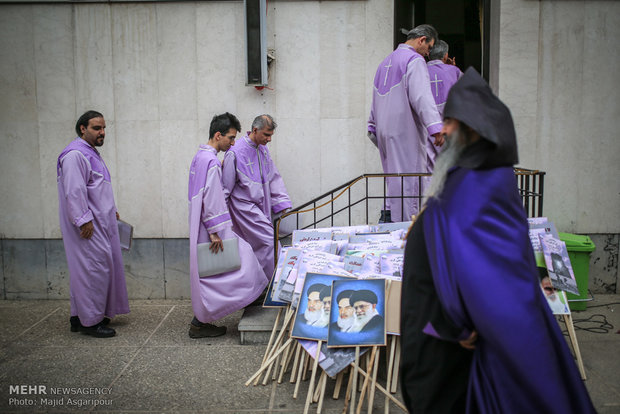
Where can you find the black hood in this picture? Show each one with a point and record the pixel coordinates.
(472, 102)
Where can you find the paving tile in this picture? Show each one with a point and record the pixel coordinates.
(191, 378)
(153, 366)
(59, 367)
(174, 330)
(132, 329)
(17, 317)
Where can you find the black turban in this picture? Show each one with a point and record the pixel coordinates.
(364, 295)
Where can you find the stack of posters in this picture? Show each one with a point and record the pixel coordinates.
(555, 271)
(344, 285)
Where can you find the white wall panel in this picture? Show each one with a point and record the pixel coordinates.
(55, 72)
(176, 61)
(134, 45)
(159, 72)
(342, 81)
(179, 143)
(94, 72)
(139, 169)
(298, 59)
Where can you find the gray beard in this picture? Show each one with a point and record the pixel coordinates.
(455, 144)
(316, 318)
(361, 321)
(345, 324)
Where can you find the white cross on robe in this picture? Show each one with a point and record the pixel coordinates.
(436, 82)
(388, 66)
(249, 164)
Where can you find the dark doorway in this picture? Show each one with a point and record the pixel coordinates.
(463, 24)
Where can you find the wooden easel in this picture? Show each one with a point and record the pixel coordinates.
(568, 320)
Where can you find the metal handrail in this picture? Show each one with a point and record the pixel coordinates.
(529, 182)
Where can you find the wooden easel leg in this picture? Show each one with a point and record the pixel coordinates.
(302, 364)
(273, 334)
(338, 385)
(315, 366)
(373, 385)
(396, 366)
(275, 362)
(306, 366)
(270, 344)
(383, 390)
(347, 397)
(354, 385)
(286, 361)
(267, 364)
(275, 348)
(369, 367)
(322, 395)
(391, 356)
(317, 390)
(568, 320)
(295, 363)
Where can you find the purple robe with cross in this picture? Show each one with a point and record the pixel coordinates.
(97, 279)
(216, 296)
(485, 275)
(442, 77)
(254, 190)
(403, 117)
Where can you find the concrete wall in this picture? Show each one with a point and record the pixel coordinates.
(159, 71)
(557, 73)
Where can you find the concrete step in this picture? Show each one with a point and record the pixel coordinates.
(256, 325)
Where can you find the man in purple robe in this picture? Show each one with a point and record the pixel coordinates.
(403, 116)
(216, 296)
(477, 334)
(255, 190)
(88, 221)
(443, 74)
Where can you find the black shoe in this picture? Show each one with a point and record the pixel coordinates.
(98, 331)
(76, 325)
(198, 329)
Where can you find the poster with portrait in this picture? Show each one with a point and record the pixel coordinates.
(311, 262)
(556, 299)
(312, 314)
(269, 301)
(540, 226)
(284, 284)
(357, 317)
(558, 264)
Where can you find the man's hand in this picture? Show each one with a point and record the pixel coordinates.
(118, 217)
(86, 230)
(439, 139)
(451, 60)
(216, 243)
(470, 343)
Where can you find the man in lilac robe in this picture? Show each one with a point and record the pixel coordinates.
(403, 116)
(214, 297)
(88, 221)
(443, 74)
(477, 333)
(255, 190)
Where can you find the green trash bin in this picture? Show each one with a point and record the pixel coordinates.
(579, 248)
